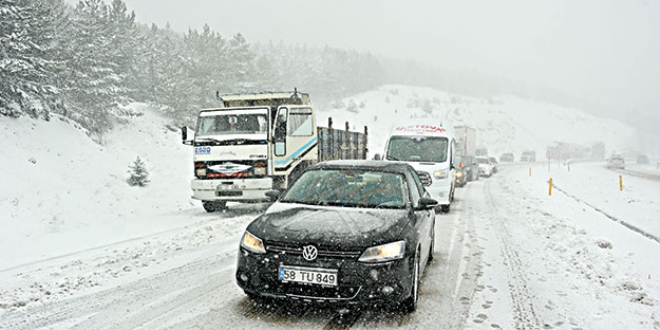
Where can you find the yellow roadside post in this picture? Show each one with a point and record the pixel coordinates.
(620, 182)
(550, 187)
(530, 171)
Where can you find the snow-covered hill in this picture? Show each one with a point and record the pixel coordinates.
(505, 124)
(56, 184)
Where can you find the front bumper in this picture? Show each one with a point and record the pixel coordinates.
(238, 190)
(440, 190)
(357, 282)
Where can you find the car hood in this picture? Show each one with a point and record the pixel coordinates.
(341, 228)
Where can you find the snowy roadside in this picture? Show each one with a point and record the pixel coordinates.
(583, 270)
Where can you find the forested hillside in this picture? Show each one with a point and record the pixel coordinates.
(85, 62)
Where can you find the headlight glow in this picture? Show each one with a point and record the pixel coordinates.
(201, 172)
(252, 243)
(440, 174)
(459, 174)
(385, 252)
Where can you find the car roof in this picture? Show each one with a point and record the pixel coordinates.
(378, 165)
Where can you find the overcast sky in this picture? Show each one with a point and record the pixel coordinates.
(607, 51)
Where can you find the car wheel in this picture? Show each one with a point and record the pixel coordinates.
(446, 208)
(410, 304)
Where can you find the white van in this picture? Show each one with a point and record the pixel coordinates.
(429, 147)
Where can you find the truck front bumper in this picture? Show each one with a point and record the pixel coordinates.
(236, 190)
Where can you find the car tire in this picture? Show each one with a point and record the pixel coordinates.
(410, 304)
(445, 208)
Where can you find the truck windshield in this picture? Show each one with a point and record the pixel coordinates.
(233, 122)
(417, 149)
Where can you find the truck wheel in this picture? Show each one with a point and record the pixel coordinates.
(211, 206)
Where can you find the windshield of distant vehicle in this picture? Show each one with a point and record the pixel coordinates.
(231, 122)
(417, 149)
(481, 160)
(351, 188)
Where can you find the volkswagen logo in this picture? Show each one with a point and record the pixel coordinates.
(310, 252)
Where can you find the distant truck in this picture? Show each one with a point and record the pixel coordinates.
(528, 156)
(258, 142)
(429, 147)
(466, 140)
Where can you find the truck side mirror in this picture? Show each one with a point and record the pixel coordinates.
(185, 138)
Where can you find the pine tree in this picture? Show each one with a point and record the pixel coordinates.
(94, 84)
(26, 61)
(138, 173)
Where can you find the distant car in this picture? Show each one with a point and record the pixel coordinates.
(485, 167)
(616, 161)
(507, 157)
(348, 232)
(493, 163)
(528, 156)
(642, 159)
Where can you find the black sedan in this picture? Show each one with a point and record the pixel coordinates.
(351, 232)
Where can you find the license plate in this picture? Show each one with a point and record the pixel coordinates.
(308, 275)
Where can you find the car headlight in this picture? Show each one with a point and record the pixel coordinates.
(385, 252)
(201, 172)
(441, 174)
(459, 174)
(252, 243)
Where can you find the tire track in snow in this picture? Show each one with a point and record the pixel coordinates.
(525, 316)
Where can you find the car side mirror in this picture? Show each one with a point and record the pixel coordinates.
(273, 194)
(377, 157)
(427, 203)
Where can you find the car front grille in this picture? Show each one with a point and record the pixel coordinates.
(425, 177)
(297, 251)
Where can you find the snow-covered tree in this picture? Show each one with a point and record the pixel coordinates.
(27, 61)
(139, 176)
(94, 85)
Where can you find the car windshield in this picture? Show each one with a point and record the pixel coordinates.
(482, 160)
(351, 188)
(417, 149)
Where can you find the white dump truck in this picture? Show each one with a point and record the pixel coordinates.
(253, 143)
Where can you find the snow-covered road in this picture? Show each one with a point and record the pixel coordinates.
(508, 256)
